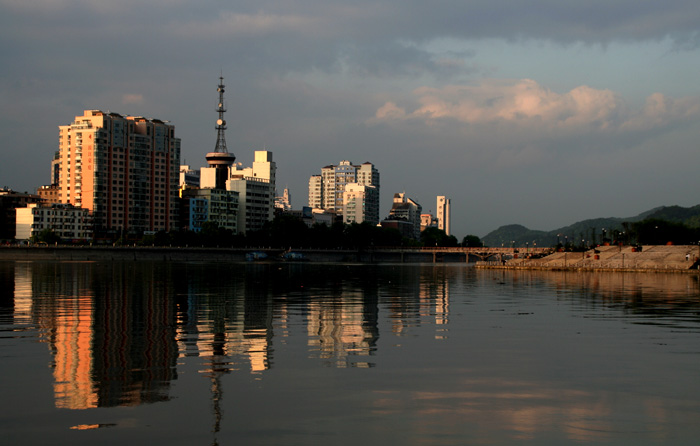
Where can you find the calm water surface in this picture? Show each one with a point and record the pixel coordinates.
(260, 354)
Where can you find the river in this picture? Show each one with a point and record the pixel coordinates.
(193, 353)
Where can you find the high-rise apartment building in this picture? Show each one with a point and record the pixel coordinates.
(123, 169)
(316, 192)
(360, 204)
(327, 190)
(443, 213)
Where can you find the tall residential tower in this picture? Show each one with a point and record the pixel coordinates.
(328, 190)
(443, 213)
(123, 169)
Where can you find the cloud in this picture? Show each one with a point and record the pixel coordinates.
(525, 103)
(129, 99)
(229, 23)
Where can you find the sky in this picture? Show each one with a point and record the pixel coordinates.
(534, 112)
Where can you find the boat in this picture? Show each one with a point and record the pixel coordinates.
(291, 256)
(255, 256)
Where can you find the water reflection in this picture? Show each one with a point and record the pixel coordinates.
(115, 330)
(455, 353)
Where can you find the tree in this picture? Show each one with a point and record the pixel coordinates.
(472, 241)
(433, 237)
(661, 232)
(47, 236)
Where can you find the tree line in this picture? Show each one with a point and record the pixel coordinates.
(286, 231)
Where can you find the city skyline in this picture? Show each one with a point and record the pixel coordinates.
(543, 113)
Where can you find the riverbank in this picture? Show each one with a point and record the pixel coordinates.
(652, 258)
(194, 254)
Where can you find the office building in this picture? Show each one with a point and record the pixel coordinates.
(123, 169)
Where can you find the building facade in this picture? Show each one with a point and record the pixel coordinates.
(408, 210)
(66, 221)
(284, 202)
(10, 201)
(123, 169)
(428, 221)
(360, 204)
(443, 213)
(188, 176)
(256, 191)
(209, 205)
(49, 194)
(326, 191)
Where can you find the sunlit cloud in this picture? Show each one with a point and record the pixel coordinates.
(526, 103)
(229, 23)
(128, 99)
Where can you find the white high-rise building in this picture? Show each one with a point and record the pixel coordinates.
(315, 192)
(327, 190)
(360, 204)
(443, 213)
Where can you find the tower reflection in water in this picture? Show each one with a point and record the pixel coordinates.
(116, 330)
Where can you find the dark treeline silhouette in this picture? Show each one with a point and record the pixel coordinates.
(289, 232)
(662, 232)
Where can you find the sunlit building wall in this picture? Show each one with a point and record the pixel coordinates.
(443, 213)
(65, 220)
(327, 191)
(256, 190)
(360, 204)
(124, 169)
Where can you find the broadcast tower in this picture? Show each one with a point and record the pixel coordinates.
(220, 158)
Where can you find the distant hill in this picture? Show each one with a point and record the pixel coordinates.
(589, 230)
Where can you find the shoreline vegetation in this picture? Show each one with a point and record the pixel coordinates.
(648, 258)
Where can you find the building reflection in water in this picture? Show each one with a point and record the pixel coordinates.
(116, 330)
(109, 329)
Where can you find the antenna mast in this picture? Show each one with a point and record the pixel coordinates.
(221, 123)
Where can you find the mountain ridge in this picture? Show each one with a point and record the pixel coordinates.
(590, 231)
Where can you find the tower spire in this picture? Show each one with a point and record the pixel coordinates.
(221, 123)
(220, 158)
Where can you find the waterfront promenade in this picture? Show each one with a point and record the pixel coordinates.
(655, 258)
(652, 258)
(366, 255)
